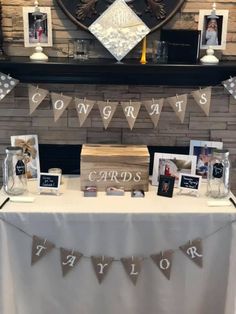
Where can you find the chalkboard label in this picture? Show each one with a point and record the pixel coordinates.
(218, 170)
(189, 182)
(20, 168)
(49, 181)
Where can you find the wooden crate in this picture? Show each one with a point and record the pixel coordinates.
(106, 166)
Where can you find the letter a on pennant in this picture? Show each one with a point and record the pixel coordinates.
(60, 103)
(40, 248)
(69, 259)
(178, 104)
(203, 99)
(163, 260)
(154, 108)
(193, 250)
(36, 96)
(131, 110)
(101, 265)
(132, 266)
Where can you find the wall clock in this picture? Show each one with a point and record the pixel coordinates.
(154, 13)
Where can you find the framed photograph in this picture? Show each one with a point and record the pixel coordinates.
(189, 183)
(203, 151)
(29, 143)
(172, 165)
(213, 27)
(37, 26)
(166, 186)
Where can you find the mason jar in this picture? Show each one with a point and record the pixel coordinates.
(14, 171)
(218, 184)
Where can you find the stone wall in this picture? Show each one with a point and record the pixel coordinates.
(14, 109)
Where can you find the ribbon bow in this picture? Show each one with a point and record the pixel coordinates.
(28, 146)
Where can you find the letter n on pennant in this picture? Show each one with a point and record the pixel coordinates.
(163, 260)
(132, 266)
(40, 248)
(69, 259)
(101, 265)
(193, 250)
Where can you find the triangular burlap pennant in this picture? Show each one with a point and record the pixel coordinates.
(178, 103)
(230, 85)
(60, 103)
(193, 249)
(36, 96)
(101, 265)
(83, 108)
(131, 110)
(203, 99)
(69, 259)
(107, 110)
(163, 260)
(7, 83)
(154, 108)
(40, 248)
(132, 266)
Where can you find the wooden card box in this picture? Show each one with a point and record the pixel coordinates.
(106, 166)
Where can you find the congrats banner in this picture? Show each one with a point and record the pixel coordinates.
(108, 108)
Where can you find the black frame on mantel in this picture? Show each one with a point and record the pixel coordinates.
(108, 71)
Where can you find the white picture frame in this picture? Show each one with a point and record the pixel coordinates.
(30, 146)
(37, 28)
(189, 183)
(203, 150)
(214, 38)
(172, 165)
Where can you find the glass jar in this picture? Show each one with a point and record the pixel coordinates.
(218, 185)
(14, 171)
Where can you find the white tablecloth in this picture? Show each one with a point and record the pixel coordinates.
(117, 226)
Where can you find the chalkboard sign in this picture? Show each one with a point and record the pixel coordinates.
(189, 182)
(49, 181)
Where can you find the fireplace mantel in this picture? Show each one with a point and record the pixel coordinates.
(108, 71)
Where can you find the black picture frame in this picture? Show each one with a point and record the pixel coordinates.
(166, 186)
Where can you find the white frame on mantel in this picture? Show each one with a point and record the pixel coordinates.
(26, 22)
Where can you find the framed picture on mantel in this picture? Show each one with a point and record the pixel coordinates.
(37, 26)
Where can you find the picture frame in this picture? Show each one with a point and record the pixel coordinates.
(203, 150)
(189, 183)
(30, 146)
(172, 165)
(213, 27)
(166, 186)
(37, 26)
(49, 182)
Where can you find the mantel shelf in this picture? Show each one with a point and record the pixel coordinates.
(108, 71)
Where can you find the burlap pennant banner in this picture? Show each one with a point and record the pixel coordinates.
(230, 85)
(59, 102)
(40, 248)
(203, 99)
(101, 265)
(36, 96)
(154, 108)
(107, 110)
(163, 260)
(69, 259)
(193, 250)
(7, 83)
(178, 104)
(132, 266)
(83, 108)
(131, 110)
